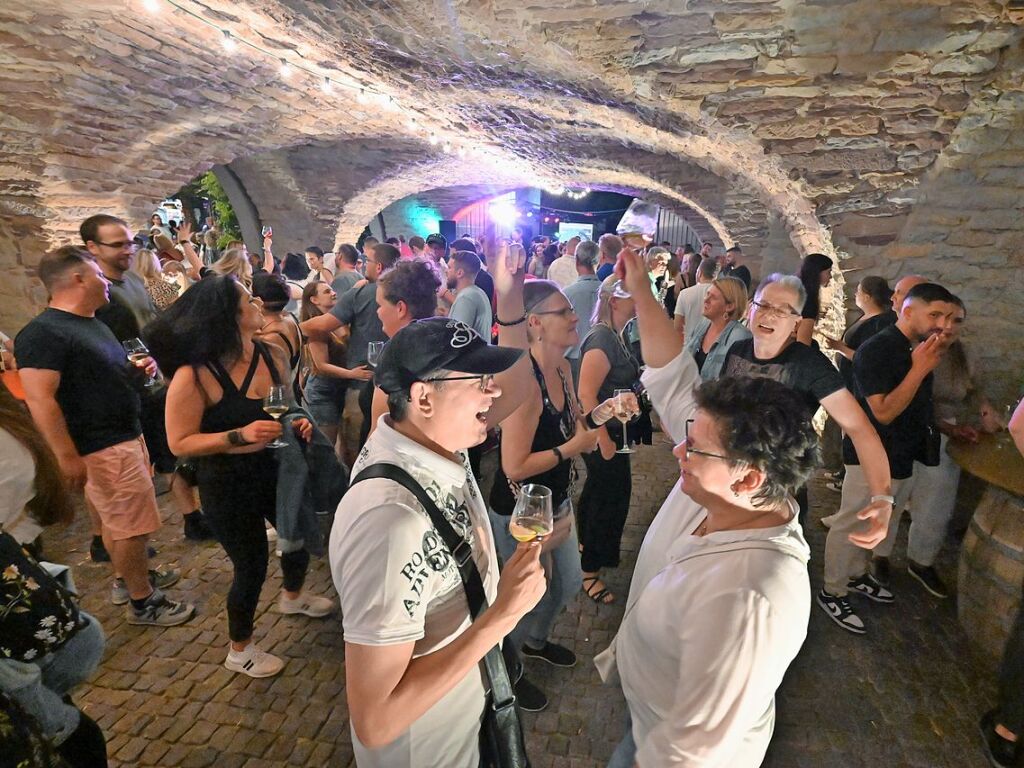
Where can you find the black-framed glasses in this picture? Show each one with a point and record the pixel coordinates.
(771, 310)
(131, 245)
(689, 450)
(563, 312)
(485, 379)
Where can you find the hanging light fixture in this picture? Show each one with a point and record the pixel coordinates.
(230, 44)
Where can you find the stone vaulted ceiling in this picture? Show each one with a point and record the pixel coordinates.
(834, 118)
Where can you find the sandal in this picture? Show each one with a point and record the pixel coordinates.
(603, 596)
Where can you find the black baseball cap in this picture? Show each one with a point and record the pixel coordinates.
(436, 343)
(437, 239)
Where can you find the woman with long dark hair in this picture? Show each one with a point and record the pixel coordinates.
(815, 273)
(872, 297)
(220, 374)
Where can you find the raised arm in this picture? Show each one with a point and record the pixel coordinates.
(660, 343)
(508, 289)
(318, 327)
(887, 406)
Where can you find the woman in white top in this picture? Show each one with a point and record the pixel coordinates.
(719, 601)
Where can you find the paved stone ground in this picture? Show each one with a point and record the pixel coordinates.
(907, 694)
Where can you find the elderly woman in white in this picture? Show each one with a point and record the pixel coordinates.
(720, 598)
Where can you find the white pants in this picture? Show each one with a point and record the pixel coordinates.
(933, 499)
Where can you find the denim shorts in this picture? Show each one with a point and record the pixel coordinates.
(325, 399)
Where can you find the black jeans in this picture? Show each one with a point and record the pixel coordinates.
(238, 493)
(603, 507)
(1011, 679)
(366, 407)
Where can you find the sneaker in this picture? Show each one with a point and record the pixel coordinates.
(552, 653)
(157, 579)
(1000, 752)
(928, 577)
(253, 662)
(881, 570)
(840, 611)
(529, 696)
(835, 485)
(310, 605)
(161, 612)
(97, 552)
(868, 586)
(196, 527)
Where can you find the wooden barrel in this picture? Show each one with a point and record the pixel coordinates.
(992, 570)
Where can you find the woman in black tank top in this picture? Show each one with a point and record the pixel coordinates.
(215, 413)
(538, 443)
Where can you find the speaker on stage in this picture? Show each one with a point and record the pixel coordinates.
(447, 229)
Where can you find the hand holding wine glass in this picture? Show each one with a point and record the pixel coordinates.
(533, 516)
(624, 403)
(276, 404)
(138, 355)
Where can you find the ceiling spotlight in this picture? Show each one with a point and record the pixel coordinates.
(434, 139)
(529, 214)
(328, 85)
(447, 147)
(153, 6)
(557, 219)
(361, 96)
(286, 69)
(230, 44)
(461, 151)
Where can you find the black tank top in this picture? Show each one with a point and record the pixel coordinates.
(553, 429)
(235, 409)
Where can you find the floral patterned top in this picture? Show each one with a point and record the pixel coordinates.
(37, 615)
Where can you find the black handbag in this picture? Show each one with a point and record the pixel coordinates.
(501, 733)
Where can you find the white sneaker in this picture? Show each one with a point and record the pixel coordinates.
(253, 662)
(310, 605)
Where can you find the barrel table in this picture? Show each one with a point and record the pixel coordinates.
(992, 558)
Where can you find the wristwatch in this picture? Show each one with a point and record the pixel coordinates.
(235, 438)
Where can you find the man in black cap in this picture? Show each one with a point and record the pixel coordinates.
(416, 691)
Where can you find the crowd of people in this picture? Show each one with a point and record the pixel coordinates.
(367, 383)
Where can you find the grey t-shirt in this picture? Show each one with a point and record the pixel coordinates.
(344, 281)
(472, 307)
(624, 372)
(583, 296)
(357, 309)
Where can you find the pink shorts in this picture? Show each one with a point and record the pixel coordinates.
(119, 485)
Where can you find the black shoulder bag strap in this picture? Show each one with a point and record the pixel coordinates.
(501, 739)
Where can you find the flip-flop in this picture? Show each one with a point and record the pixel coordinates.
(599, 596)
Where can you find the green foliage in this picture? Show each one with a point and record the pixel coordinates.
(227, 222)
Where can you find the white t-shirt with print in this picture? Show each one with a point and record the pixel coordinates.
(398, 584)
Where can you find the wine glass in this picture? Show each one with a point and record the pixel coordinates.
(373, 352)
(137, 354)
(276, 404)
(533, 517)
(620, 408)
(619, 290)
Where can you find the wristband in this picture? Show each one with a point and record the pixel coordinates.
(883, 497)
(558, 455)
(505, 324)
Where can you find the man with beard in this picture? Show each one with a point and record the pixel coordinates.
(471, 304)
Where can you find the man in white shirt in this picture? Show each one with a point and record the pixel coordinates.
(471, 305)
(563, 269)
(416, 690)
(690, 302)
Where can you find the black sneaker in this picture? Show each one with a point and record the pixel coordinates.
(1000, 752)
(868, 586)
(840, 611)
(530, 697)
(196, 527)
(881, 570)
(929, 578)
(552, 653)
(97, 552)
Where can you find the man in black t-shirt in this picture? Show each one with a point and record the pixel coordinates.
(734, 268)
(80, 389)
(892, 375)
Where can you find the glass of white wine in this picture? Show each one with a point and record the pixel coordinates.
(533, 517)
(620, 408)
(276, 404)
(373, 352)
(137, 353)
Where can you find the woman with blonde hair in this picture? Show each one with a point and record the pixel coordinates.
(725, 305)
(234, 263)
(147, 266)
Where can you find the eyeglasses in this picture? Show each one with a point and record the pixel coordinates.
(563, 312)
(120, 245)
(689, 450)
(485, 380)
(773, 311)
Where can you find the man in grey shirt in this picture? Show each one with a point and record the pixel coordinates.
(471, 304)
(346, 269)
(582, 294)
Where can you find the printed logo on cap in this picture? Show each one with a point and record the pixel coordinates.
(463, 335)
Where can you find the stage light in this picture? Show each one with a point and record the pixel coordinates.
(502, 213)
(529, 214)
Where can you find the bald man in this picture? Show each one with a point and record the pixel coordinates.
(899, 292)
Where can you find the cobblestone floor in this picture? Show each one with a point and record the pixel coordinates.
(907, 694)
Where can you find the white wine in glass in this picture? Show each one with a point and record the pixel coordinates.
(276, 405)
(373, 352)
(137, 353)
(533, 516)
(620, 409)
